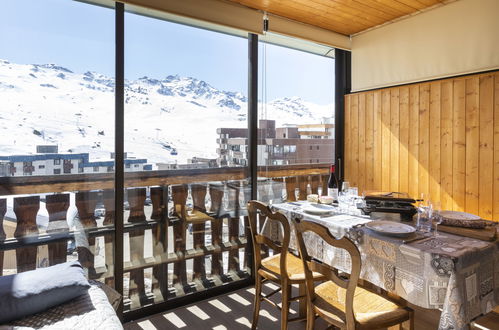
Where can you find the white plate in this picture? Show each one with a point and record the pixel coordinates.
(390, 228)
(317, 209)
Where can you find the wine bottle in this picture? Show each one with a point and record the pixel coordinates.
(332, 184)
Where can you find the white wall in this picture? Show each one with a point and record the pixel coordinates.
(457, 38)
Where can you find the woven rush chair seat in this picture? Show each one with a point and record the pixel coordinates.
(340, 301)
(370, 310)
(194, 216)
(294, 267)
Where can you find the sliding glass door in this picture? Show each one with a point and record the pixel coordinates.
(185, 159)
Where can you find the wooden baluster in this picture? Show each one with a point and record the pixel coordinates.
(136, 199)
(85, 203)
(290, 188)
(159, 198)
(216, 194)
(315, 183)
(3, 210)
(233, 226)
(302, 183)
(179, 196)
(108, 199)
(57, 207)
(198, 230)
(158, 204)
(26, 209)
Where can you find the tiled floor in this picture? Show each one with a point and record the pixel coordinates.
(234, 311)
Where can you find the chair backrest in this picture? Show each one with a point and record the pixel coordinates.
(261, 241)
(330, 273)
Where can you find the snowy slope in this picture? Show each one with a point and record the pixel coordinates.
(49, 104)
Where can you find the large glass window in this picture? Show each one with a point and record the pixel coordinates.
(186, 144)
(186, 125)
(57, 125)
(296, 121)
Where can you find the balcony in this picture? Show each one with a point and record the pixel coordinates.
(165, 257)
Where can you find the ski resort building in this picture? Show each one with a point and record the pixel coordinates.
(56, 163)
(293, 144)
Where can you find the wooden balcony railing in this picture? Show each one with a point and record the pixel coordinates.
(169, 251)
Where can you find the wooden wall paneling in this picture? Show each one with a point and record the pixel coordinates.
(472, 144)
(486, 158)
(446, 120)
(361, 181)
(434, 150)
(496, 147)
(369, 183)
(385, 140)
(459, 145)
(424, 137)
(354, 141)
(404, 139)
(438, 138)
(347, 135)
(377, 132)
(394, 142)
(414, 141)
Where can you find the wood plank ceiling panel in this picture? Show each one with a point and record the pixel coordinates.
(343, 16)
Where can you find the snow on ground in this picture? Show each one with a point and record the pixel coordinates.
(48, 104)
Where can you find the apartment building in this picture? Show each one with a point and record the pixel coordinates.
(293, 144)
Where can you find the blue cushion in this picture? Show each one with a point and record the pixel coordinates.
(34, 291)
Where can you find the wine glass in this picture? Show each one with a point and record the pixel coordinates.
(345, 186)
(436, 218)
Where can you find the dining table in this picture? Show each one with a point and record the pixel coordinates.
(455, 274)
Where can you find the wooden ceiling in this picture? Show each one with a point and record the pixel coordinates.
(343, 16)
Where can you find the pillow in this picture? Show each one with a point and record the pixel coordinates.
(34, 291)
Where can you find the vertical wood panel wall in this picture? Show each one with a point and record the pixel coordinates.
(438, 138)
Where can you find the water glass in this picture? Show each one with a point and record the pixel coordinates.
(424, 218)
(345, 186)
(343, 201)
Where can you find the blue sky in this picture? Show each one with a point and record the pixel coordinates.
(81, 37)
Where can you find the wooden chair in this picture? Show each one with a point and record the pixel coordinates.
(339, 301)
(283, 268)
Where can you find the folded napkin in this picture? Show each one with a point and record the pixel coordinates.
(463, 219)
(489, 233)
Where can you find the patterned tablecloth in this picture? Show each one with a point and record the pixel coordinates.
(456, 274)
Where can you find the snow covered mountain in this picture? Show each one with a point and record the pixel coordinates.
(50, 104)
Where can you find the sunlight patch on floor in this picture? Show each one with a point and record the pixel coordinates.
(239, 299)
(198, 312)
(220, 327)
(244, 321)
(266, 314)
(146, 325)
(218, 304)
(251, 291)
(271, 286)
(175, 320)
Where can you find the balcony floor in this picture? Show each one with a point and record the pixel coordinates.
(234, 311)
